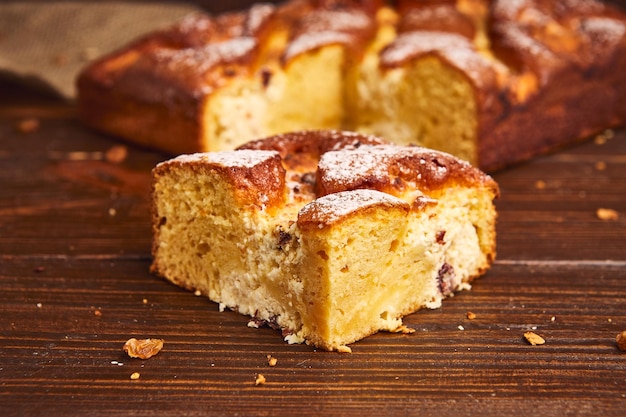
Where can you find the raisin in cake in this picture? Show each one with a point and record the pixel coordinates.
(488, 81)
(330, 236)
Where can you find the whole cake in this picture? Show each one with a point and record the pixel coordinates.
(330, 236)
(493, 82)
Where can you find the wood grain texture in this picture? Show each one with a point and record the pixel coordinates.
(74, 258)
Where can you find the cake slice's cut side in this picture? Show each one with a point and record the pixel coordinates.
(214, 225)
(377, 265)
(304, 93)
(238, 110)
(363, 86)
(424, 99)
(464, 225)
(350, 265)
(313, 93)
(439, 103)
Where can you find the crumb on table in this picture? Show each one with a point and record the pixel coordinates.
(272, 361)
(534, 339)
(607, 214)
(621, 341)
(144, 348)
(260, 380)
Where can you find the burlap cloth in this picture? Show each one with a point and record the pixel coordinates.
(47, 43)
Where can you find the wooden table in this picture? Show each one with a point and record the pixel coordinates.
(74, 286)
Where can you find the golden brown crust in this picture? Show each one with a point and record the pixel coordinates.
(348, 26)
(460, 54)
(344, 161)
(331, 209)
(257, 178)
(196, 53)
(547, 37)
(396, 170)
(302, 150)
(434, 16)
(550, 49)
(337, 161)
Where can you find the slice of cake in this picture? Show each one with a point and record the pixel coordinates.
(330, 236)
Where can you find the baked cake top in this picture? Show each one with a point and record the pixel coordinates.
(312, 165)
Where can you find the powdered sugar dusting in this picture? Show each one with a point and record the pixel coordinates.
(243, 158)
(352, 140)
(347, 167)
(239, 159)
(337, 21)
(311, 41)
(509, 8)
(195, 22)
(333, 207)
(412, 44)
(326, 27)
(344, 165)
(258, 16)
(605, 32)
(204, 58)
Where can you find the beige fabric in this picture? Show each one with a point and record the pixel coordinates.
(47, 43)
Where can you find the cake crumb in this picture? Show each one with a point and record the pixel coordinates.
(621, 341)
(39, 305)
(607, 214)
(116, 154)
(540, 185)
(471, 315)
(600, 166)
(145, 301)
(602, 138)
(134, 375)
(344, 349)
(198, 293)
(460, 327)
(260, 380)
(83, 156)
(143, 349)
(97, 313)
(28, 125)
(271, 361)
(534, 339)
(403, 329)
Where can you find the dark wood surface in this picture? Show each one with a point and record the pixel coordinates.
(74, 258)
